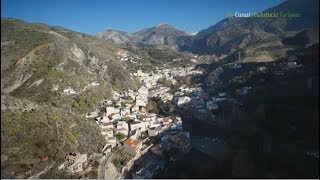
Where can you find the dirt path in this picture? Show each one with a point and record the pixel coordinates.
(36, 176)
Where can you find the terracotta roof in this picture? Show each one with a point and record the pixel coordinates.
(166, 119)
(131, 142)
(44, 157)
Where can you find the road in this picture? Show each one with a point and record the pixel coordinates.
(102, 165)
(111, 171)
(106, 169)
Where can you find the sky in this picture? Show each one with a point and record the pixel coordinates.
(92, 16)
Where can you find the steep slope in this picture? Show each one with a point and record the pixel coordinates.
(234, 33)
(308, 9)
(50, 78)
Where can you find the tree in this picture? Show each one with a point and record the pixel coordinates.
(151, 106)
(120, 136)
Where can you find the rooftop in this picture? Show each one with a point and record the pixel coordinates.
(131, 142)
(166, 119)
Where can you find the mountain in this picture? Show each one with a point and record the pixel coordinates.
(118, 37)
(50, 78)
(162, 34)
(232, 34)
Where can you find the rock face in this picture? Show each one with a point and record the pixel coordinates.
(162, 34)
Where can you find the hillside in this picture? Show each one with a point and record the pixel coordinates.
(232, 34)
(50, 77)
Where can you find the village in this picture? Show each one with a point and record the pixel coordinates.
(127, 126)
(139, 141)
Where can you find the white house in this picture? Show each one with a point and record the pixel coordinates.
(183, 100)
(134, 134)
(108, 125)
(143, 91)
(211, 105)
(69, 91)
(121, 125)
(110, 133)
(222, 94)
(137, 125)
(122, 131)
(141, 102)
(76, 162)
(104, 119)
(153, 131)
(134, 109)
(179, 124)
(112, 141)
(110, 110)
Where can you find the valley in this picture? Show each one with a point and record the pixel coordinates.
(239, 99)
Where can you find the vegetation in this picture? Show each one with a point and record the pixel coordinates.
(52, 132)
(120, 136)
(165, 82)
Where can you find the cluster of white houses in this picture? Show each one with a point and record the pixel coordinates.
(127, 115)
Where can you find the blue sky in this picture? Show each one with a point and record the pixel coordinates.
(92, 16)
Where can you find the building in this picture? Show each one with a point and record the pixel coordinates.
(44, 157)
(222, 94)
(152, 131)
(132, 146)
(110, 110)
(137, 125)
(181, 141)
(108, 125)
(112, 141)
(183, 100)
(76, 162)
(166, 120)
(211, 105)
(161, 148)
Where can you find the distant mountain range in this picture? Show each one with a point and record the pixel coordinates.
(52, 76)
(230, 35)
(162, 34)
